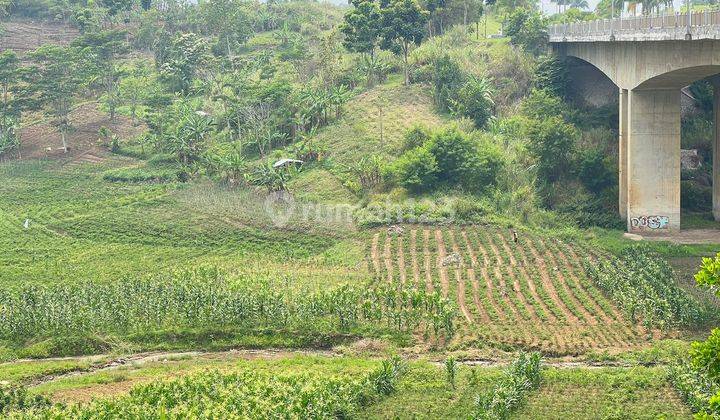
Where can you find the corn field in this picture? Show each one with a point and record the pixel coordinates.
(243, 395)
(204, 298)
(643, 284)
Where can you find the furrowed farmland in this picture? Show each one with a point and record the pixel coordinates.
(526, 293)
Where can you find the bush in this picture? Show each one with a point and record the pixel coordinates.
(695, 197)
(464, 161)
(528, 29)
(595, 171)
(416, 136)
(447, 80)
(694, 387)
(551, 75)
(474, 100)
(551, 141)
(416, 170)
(541, 104)
(15, 398)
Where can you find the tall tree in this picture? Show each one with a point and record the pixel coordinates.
(54, 80)
(106, 47)
(403, 25)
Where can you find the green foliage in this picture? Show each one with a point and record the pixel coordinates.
(528, 29)
(709, 274)
(451, 368)
(541, 104)
(643, 285)
(153, 175)
(416, 170)
(694, 387)
(247, 394)
(403, 25)
(447, 80)
(54, 80)
(415, 137)
(204, 298)
(595, 171)
(551, 142)
(474, 100)
(551, 75)
(695, 197)
(462, 160)
(362, 27)
(522, 376)
(186, 54)
(14, 398)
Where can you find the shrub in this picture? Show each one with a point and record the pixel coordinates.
(416, 136)
(464, 161)
(447, 80)
(416, 170)
(474, 100)
(551, 75)
(541, 104)
(694, 387)
(528, 29)
(551, 142)
(16, 398)
(694, 196)
(595, 171)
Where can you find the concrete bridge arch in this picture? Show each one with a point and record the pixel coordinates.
(650, 67)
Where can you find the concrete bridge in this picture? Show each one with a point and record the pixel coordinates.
(650, 59)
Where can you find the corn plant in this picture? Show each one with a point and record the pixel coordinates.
(521, 376)
(643, 285)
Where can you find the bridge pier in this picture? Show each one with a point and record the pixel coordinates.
(653, 160)
(622, 154)
(716, 148)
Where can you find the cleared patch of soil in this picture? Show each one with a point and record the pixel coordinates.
(42, 140)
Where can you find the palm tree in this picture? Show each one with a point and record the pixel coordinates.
(578, 4)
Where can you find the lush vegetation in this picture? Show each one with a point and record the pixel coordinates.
(644, 286)
(522, 376)
(248, 394)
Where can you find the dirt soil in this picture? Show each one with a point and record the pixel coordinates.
(688, 237)
(42, 140)
(22, 36)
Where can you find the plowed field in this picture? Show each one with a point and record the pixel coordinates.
(532, 293)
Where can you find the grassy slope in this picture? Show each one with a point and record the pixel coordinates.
(85, 228)
(357, 134)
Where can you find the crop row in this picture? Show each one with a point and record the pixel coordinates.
(204, 298)
(643, 285)
(527, 291)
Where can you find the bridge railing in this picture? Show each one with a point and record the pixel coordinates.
(635, 24)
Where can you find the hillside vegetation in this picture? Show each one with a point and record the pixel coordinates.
(292, 209)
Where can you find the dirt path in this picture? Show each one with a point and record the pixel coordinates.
(427, 260)
(401, 259)
(375, 254)
(549, 286)
(474, 281)
(387, 255)
(460, 280)
(413, 257)
(442, 253)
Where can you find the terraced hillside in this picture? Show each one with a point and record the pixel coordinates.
(532, 293)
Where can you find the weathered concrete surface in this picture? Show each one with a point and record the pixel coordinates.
(622, 153)
(650, 75)
(651, 64)
(653, 154)
(716, 148)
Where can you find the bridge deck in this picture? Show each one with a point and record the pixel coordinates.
(675, 27)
